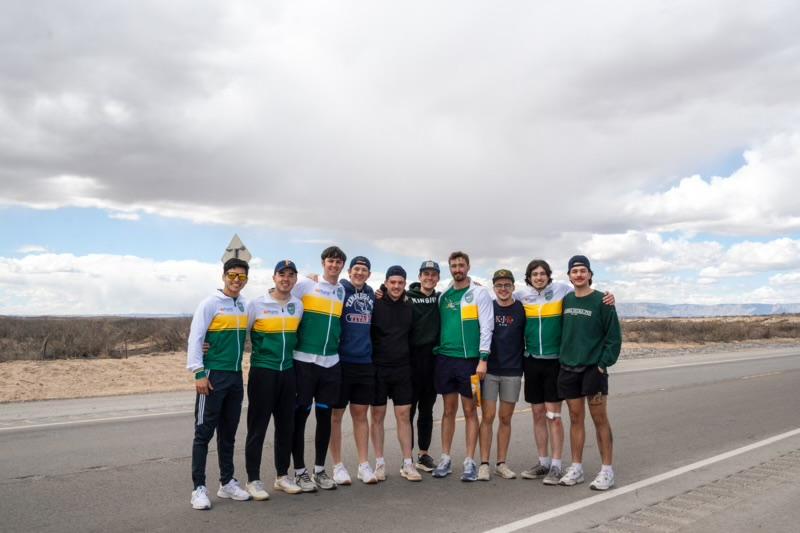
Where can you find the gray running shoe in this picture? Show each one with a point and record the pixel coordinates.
(444, 468)
(323, 480)
(553, 476)
(535, 472)
(304, 482)
(425, 462)
(470, 470)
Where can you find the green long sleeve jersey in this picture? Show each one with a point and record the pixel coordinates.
(273, 331)
(220, 321)
(591, 334)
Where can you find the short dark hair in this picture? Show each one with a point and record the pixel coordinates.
(333, 252)
(458, 255)
(235, 262)
(533, 265)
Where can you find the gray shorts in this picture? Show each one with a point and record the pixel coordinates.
(507, 387)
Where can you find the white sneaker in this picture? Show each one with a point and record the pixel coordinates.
(233, 491)
(603, 481)
(200, 498)
(484, 474)
(340, 475)
(287, 485)
(409, 471)
(380, 472)
(256, 490)
(366, 474)
(573, 476)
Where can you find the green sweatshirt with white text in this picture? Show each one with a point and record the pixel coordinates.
(590, 334)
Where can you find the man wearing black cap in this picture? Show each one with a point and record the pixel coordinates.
(424, 338)
(503, 375)
(358, 373)
(273, 320)
(391, 326)
(590, 343)
(221, 321)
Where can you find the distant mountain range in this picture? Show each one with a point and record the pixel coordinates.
(651, 310)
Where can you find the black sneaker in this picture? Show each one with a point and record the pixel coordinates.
(425, 462)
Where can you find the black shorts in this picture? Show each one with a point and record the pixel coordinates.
(317, 384)
(393, 382)
(453, 375)
(541, 380)
(589, 382)
(358, 385)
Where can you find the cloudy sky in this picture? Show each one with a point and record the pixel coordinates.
(659, 138)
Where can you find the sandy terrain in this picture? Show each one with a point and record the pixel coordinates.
(163, 372)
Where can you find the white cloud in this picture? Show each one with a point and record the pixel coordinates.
(287, 114)
(31, 249)
(746, 258)
(116, 215)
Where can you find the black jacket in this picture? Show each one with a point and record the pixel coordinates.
(391, 327)
(426, 324)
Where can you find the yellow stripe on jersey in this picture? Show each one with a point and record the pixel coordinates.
(276, 325)
(223, 322)
(551, 309)
(316, 304)
(469, 312)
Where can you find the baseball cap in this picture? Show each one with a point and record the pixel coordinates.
(284, 264)
(503, 274)
(429, 265)
(579, 260)
(395, 270)
(360, 260)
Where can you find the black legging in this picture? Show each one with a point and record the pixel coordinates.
(422, 368)
(269, 393)
(321, 439)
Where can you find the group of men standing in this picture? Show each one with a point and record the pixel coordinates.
(329, 345)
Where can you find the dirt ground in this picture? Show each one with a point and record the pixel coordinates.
(164, 372)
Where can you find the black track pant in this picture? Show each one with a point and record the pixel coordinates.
(220, 410)
(270, 393)
(422, 369)
(321, 439)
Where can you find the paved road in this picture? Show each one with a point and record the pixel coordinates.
(122, 464)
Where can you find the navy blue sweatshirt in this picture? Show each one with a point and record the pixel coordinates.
(508, 340)
(355, 343)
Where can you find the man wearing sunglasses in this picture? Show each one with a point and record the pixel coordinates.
(221, 321)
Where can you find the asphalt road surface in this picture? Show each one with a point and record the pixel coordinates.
(702, 443)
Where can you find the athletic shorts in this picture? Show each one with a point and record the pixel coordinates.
(589, 382)
(541, 380)
(393, 382)
(452, 375)
(317, 384)
(506, 387)
(358, 385)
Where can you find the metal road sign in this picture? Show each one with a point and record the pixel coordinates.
(236, 249)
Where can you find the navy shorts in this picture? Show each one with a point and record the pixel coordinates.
(453, 374)
(317, 384)
(358, 385)
(588, 382)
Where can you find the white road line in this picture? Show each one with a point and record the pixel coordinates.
(762, 375)
(701, 363)
(574, 506)
(90, 420)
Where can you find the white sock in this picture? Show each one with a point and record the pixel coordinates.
(318, 469)
(607, 468)
(578, 466)
(556, 463)
(337, 465)
(445, 457)
(380, 461)
(363, 465)
(407, 461)
(544, 461)
(299, 471)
